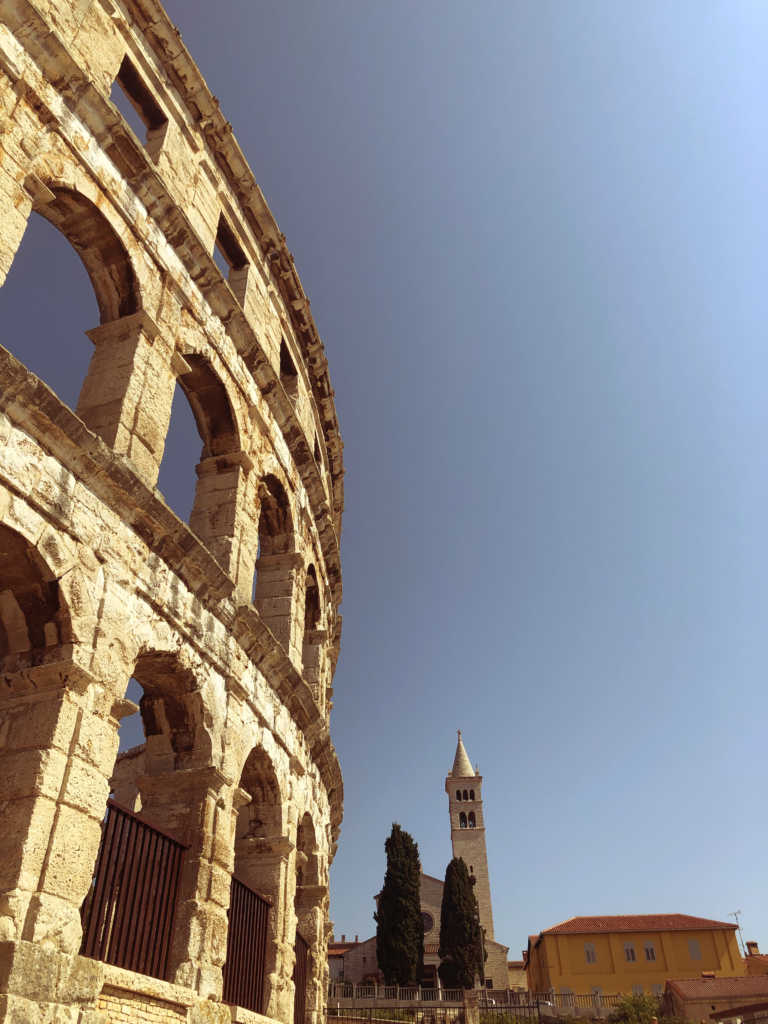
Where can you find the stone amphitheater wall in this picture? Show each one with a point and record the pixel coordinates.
(229, 622)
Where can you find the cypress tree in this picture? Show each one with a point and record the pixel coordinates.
(399, 930)
(461, 938)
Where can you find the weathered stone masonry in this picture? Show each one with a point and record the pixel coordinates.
(229, 622)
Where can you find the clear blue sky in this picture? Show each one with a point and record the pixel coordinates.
(534, 236)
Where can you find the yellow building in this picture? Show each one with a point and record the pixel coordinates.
(631, 954)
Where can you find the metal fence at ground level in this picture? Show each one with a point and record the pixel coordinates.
(403, 1014)
(368, 992)
(246, 948)
(128, 913)
(519, 1012)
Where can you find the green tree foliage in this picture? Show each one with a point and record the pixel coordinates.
(640, 1009)
(399, 931)
(461, 939)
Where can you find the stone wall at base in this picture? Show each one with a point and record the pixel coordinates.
(124, 1007)
(229, 622)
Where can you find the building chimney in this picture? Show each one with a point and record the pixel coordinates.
(752, 949)
(343, 937)
(357, 938)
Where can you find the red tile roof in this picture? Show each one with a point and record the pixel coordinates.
(636, 923)
(340, 948)
(721, 988)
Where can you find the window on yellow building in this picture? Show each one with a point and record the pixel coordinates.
(650, 951)
(637, 990)
(629, 952)
(590, 953)
(657, 990)
(694, 949)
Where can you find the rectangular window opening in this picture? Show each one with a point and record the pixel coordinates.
(629, 952)
(228, 249)
(289, 375)
(650, 952)
(135, 101)
(694, 949)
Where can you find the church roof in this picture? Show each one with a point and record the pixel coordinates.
(462, 766)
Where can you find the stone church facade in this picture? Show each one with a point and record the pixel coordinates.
(229, 621)
(465, 806)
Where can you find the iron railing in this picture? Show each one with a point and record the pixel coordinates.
(410, 1013)
(128, 913)
(368, 991)
(246, 948)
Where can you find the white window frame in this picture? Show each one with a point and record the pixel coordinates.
(629, 953)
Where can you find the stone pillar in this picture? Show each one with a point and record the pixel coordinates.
(265, 864)
(276, 599)
(194, 806)
(221, 483)
(56, 756)
(311, 903)
(127, 395)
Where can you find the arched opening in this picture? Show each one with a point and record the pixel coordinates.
(312, 658)
(41, 711)
(32, 615)
(101, 250)
(46, 305)
(258, 882)
(462, 820)
(307, 904)
(150, 820)
(471, 794)
(458, 794)
(289, 376)
(276, 564)
(177, 478)
(262, 816)
(471, 819)
(201, 412)
(466, 796)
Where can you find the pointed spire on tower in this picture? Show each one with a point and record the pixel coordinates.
(462, 766)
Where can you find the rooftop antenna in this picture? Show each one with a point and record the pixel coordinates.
(735, 914)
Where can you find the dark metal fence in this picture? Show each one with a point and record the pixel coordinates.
(516, 1011)
(128, 912)
(300, 973)
(410, 1013)
(246, 948)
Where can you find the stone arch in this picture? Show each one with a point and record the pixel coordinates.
(276, 527)
(222, 469)
(462, 820)
(46, 726)
(211, 406)
(277, 565)
(175, 785)
(261, 816)
(310, 906)
(313, 654)
(34, 615)
(100, 248)
(471, 822)
(262, 855)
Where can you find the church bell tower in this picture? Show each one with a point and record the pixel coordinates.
(465, 804)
